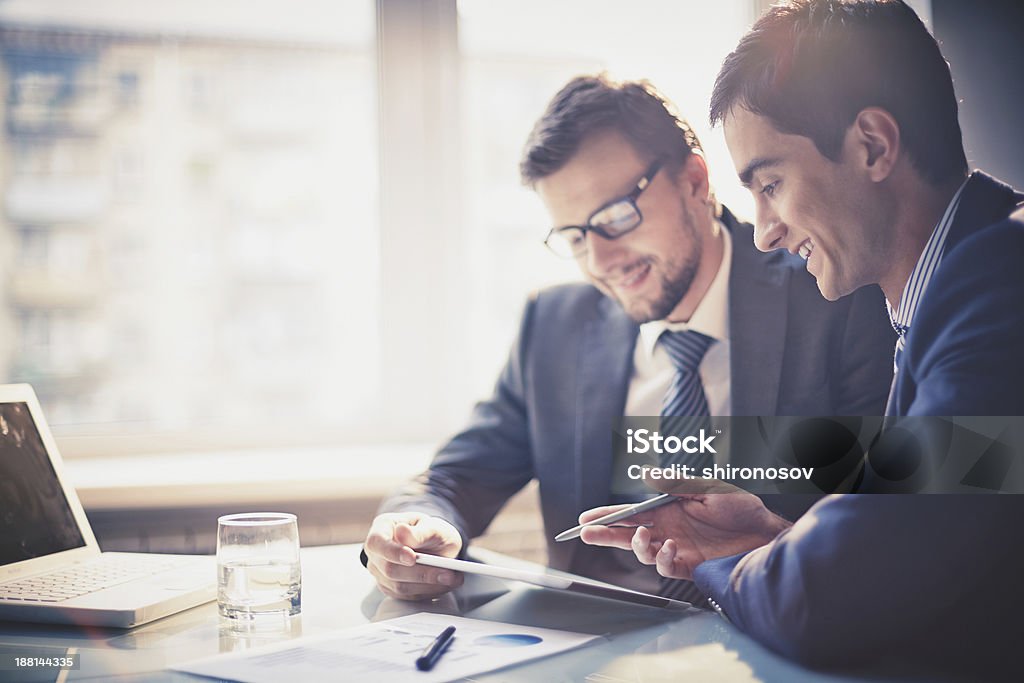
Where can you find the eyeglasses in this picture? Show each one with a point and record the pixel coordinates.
(611, 221)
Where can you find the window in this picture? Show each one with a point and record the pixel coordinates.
(269, 222)
(184, 186)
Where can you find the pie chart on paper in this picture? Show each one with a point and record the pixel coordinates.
(508, 640)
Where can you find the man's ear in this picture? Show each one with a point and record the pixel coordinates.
(692, 177)
(874, 141)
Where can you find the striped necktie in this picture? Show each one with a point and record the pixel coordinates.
(901, 340)
(683, 411)
(685, 396)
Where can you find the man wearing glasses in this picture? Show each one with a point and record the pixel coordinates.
(681, 316)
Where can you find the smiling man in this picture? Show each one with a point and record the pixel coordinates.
(840, 117)
(681, 316)
(850, 142)
(814, 207)
(661, 273)
(858, 208)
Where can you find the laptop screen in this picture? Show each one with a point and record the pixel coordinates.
(35, 517)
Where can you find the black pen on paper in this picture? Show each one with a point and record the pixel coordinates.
(428, 659)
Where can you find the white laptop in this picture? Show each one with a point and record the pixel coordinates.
(51, 568)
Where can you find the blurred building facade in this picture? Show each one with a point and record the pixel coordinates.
(273, 219)
(174, 243)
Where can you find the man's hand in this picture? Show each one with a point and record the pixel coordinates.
(391, 546)
(680, 535)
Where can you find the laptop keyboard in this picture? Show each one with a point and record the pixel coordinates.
(106, 571)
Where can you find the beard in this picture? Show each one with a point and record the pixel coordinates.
(674, 276)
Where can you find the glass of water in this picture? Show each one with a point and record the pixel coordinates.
(258, 571)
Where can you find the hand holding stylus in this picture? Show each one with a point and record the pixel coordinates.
(693, 527)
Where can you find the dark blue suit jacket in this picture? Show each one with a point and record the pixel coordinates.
(566, 380)
(933, 582)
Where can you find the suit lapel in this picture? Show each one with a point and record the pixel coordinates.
(758, 306)
(985, 200)
(605, 369)
(891, 405)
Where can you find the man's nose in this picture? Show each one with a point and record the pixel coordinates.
(769, 231)
(602, 254)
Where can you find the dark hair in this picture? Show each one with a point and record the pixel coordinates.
(810, 66)
(593, 104)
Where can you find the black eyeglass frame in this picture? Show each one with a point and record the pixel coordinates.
(634, 194)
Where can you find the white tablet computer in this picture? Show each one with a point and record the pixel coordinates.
(572, 584)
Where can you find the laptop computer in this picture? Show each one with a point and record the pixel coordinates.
(51, 568)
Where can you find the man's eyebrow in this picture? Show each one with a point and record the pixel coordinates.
(747, 174)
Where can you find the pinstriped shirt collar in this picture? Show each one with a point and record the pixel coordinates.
(927, 264)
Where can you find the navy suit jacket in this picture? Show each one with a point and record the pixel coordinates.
(566, 380)
(934, 582)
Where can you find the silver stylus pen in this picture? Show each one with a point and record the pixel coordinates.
(650, 504)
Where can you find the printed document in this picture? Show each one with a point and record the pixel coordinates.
(387, 650)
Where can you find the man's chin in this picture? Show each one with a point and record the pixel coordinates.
(642, 312)
(831, 291)
(638, 310)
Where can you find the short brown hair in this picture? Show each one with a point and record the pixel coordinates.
(593, 104)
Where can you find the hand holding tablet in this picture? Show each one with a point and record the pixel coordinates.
(562, 582)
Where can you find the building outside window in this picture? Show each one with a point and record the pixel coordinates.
(247, 223)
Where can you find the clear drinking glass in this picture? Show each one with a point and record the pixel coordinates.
(258, 571)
